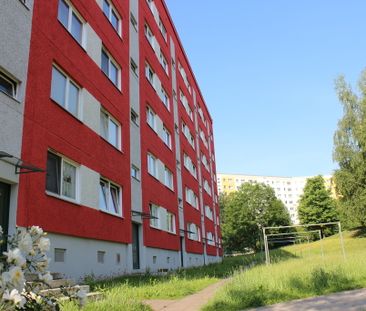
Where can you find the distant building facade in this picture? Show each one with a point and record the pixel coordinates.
(287, 189)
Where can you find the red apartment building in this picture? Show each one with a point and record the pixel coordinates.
(115, 117)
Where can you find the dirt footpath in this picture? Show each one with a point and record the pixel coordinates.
(353, 300)
(190, 303)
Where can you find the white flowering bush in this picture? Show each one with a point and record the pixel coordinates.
(26, 255)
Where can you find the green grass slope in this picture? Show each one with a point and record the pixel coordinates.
(303, 272)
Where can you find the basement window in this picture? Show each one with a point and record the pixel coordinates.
(100, 256)
(60, 254)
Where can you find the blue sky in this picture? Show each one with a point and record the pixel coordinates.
(267, 69)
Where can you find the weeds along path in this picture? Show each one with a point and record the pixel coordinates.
(190, 303)
(353, 300)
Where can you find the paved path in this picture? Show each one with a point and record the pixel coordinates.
(353, 300)
(190, 303)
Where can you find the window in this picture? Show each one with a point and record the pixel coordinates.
(154, 213)
(134, 67)
(165, 98)
(110, 68)
(100, 256)
(64, 91)
(193, 232)
(167, 138)
(149, 35)
(207, 187)
(61, 177)
(152, 165)
(210, 239)
(205, 162)
(111, 13)
(168, 178)
(133, 21)
(191, 198)
(184, 101)
(154, 260)
(109, 197)
(188, 134)
(203, 137)
(71, 20)
(170, 222)
(208, 212)
(110, 129)
(150, 74)
(135, 172)
(60, 255)
(188, 164)
(163, 62)
(151, 118)
(134, 117)
(163, 30)
(7, 85)
(118, 259)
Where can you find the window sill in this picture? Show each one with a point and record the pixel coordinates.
(11, 97)
(63, 198)
(113, 146)
(24, 4)
(69, 33)
(118, 88)
(111, 214)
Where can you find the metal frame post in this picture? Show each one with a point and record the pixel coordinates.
(341, 239)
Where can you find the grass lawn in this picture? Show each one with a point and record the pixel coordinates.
(304, 273)
(128, 292)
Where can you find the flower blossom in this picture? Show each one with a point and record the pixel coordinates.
(44, 244)
(15, 257)
(15, 297)
(26, 244)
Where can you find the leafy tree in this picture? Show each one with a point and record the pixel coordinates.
(246, 211)
(350, 153)
(316, 204)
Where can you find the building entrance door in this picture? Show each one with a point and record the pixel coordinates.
(4, 210)
(135, 246)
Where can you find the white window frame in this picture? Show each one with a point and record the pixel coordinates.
(119, 131)
(154, 211)
(210, 239)
(112, 61)
(188, 135)
(207, 187)
(150, 74)
(77, 179)
(191, 198)
(69, 22)
(165, 98)
(112, 9)
(194, 233)
(170, 221)
(151, 118)
(12, 82)
(135, 172)
(168, 178)
(209, 212)
(163, 62)
(149, 34)
(163, 30)
(66, 94)
(109, 210)
(152, 159)
(167, 137)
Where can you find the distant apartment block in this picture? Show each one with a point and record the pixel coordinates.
(287, 189)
